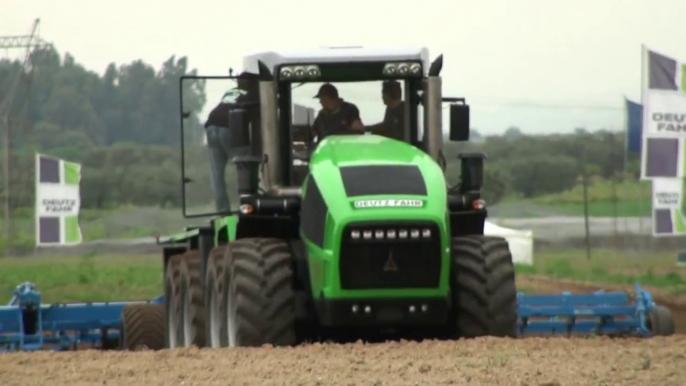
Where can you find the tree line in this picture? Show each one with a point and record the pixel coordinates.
(61, 106)
(123, 127)
(533, 165)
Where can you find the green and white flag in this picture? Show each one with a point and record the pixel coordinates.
(57, 201)
(668, 207)
(664, 116)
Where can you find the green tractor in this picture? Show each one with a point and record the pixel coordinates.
(358, 236)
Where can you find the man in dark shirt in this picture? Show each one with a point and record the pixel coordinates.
(337, 117)
(226, 142)
(393, 125)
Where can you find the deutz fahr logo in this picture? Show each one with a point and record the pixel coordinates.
(388, 204)
(390, 265)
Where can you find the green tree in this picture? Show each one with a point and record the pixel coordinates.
(542, 174)
(496, 185)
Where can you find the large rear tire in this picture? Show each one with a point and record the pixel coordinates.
(258, 298)
(143, 327)
(213, 292)
(192, 300)
(483, 287)
(172, 297)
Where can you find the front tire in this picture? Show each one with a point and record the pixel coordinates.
(257, 292)
(483, 287)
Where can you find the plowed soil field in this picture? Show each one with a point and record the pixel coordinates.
(531, 361)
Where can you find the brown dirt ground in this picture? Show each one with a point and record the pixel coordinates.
(531, 361)
(488, 361)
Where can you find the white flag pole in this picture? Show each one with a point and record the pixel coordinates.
(36, 213)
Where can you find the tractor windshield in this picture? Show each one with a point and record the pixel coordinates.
(375, 107)
(372, 107)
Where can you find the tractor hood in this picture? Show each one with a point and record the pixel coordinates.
(369, 178)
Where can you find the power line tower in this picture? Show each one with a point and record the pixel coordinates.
(29, 43)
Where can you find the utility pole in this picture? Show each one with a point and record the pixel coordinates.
(29, 43)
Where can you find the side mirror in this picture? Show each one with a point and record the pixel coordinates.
(472, 172)
(239, 123)
(459, 122)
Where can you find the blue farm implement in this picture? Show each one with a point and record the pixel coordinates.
(599, 313)
(28, 324)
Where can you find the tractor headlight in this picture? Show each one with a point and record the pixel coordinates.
(390, 69)
(286, 72)
(415, 234)
(402, 69)
(298, 72)
(313, 71)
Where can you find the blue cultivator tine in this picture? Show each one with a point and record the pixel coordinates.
(598, 313)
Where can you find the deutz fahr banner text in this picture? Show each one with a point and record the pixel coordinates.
(57, 201)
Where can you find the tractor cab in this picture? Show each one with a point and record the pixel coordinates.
(271, 122)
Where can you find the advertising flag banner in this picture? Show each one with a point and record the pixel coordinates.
(57, 201)
(668, 212)
(634, 129)
(664, 117)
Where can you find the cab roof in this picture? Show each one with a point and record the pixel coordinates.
(272, 59)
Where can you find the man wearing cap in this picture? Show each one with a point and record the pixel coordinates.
(337, 117)
(393, 125)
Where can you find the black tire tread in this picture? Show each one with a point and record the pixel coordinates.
(662, 321)
(260, 276)
(214, 283)
(173, 299)
(191, 271)
(483, 282)
(143, 325)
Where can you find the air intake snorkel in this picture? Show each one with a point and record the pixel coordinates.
(467, 195)
(248, 174)
(472, 172)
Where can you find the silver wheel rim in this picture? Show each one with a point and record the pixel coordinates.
(230, 322)
(186, 320)
(215, 319)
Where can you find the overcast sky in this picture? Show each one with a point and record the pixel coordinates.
(549, 52)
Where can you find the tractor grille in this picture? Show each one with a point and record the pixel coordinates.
(390, 255)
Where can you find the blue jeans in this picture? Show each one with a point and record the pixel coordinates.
(223, 144)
